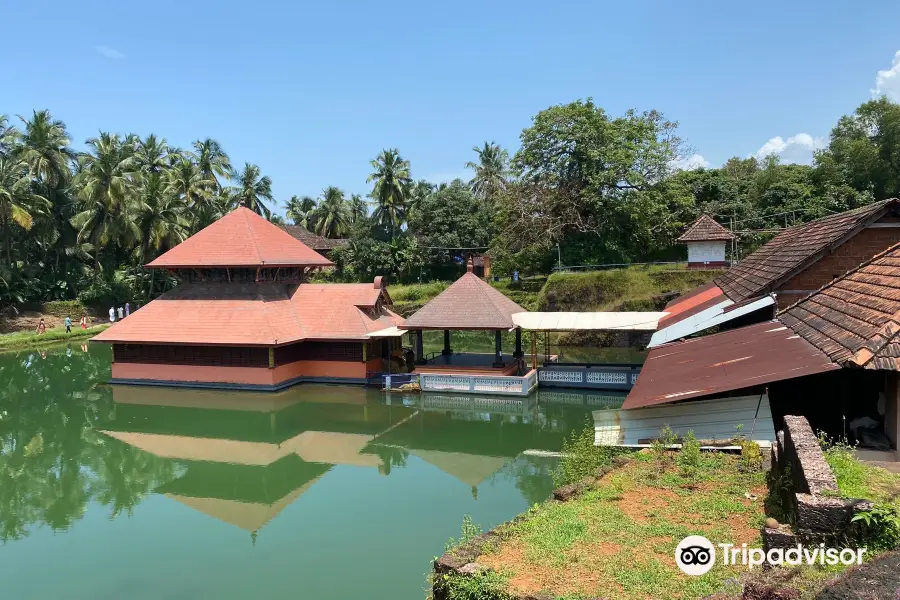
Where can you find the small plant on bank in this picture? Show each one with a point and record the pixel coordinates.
(468, 532)
(581, 458)
(487, 585)
(689, 459)
(660, 448)
(751, 452)
(879, 527)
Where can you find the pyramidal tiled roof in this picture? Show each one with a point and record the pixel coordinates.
(241, 238)
(855, 319)
(706, 229)
(469, 303)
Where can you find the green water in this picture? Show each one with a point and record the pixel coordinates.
(317, 492)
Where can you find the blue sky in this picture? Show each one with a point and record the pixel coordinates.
(312, 92)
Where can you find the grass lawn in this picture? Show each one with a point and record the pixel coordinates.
(29, 339)
(859, 480)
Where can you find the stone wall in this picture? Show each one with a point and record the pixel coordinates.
(811, 494)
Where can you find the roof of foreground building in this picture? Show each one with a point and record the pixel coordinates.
(469, 303)
(795, 249)
(706, 229)
(241, 238)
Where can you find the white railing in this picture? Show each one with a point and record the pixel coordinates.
(486, 384)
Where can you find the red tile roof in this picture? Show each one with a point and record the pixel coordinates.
(722, 362)
(692, 303)
(855, 319)
(240, 239)
(266, 314)
(469, 303)
(313, 240)
(795, 249)
(706, 229)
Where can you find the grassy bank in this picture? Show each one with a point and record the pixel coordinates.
(22, 340)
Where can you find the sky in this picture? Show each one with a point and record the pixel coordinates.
(312, 92)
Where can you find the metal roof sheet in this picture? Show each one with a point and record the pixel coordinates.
(717, 314)
(241, 238)
(722, 362)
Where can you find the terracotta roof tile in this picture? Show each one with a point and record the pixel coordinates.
(794, 250)
(855, 319)
(469, 303)
(314, 241)
(706, 229)
(265, 314)
(240, 239)
(692, 303)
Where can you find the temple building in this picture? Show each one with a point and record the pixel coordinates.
(706, 241)
(244, 316)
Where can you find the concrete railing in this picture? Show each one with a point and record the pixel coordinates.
(509, 385)
(600, 377)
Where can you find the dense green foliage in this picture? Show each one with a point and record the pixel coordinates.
(581, 458)
(584, 188)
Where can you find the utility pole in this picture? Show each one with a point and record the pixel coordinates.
(559, 256)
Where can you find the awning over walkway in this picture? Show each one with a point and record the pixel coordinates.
(385, 333)
(731, 360)
(587, 321)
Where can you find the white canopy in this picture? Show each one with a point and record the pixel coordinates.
(586, 321)
(389, 332)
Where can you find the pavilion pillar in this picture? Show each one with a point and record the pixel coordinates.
(518, 353)
(420, 348)
(498, 344)
(447, 351)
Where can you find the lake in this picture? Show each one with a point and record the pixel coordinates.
(316, 492)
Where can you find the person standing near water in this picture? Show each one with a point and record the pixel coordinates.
(42, 328)
(68, 324)
(127, 309)
(112, 314)
(84, 321)
(121, 313)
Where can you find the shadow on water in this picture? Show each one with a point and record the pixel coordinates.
(73, 446)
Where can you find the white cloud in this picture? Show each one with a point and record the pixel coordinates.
(887, 83)
(690, 163)
(110, 52)
(796, 149)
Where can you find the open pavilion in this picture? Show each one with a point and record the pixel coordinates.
(469, 304)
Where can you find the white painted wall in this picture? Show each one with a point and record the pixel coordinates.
(706, 251)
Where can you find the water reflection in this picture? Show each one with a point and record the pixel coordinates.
(317, 466)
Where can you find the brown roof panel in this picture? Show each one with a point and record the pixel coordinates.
(256, 314)
(855, 319)
(706, 229)
(241, 238)
(794, 249)
(313, 240)
(722, 362)
(469, 303)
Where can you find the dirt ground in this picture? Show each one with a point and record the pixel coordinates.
(28, 321)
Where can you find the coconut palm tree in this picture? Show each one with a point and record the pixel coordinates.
(297, 209)
(8, 134)
(390, 192)
(358, 209)
(104, 185)
(332, 213)
(212, 160)
(186, 181)
(44, 146)
(152, 154)
(18, 202)
(251, 189)
(491, 170)
(160, 214)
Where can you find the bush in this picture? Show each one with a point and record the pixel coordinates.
(689, 458)
(64, 308)
(660, 447)
(880, 527)
(581, 458)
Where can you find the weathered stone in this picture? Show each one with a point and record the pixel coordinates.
(772, 523)
(778, 537)
(826, 515)
(471, 568)
(567, 492)
(809, 470)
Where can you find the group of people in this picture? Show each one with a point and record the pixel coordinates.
(42, 327)
(123, 312)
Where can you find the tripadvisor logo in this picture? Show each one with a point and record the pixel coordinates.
(696, 555)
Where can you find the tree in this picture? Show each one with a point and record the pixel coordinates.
(332, 214)
(186, 181)
(104, 186)
(298, 210)
(212, 161)
(358, 209)
(450, 218)
(18, 204)
(390, 192)
(152, 154)
(45, 146)
(251, 189)
(491, 170)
